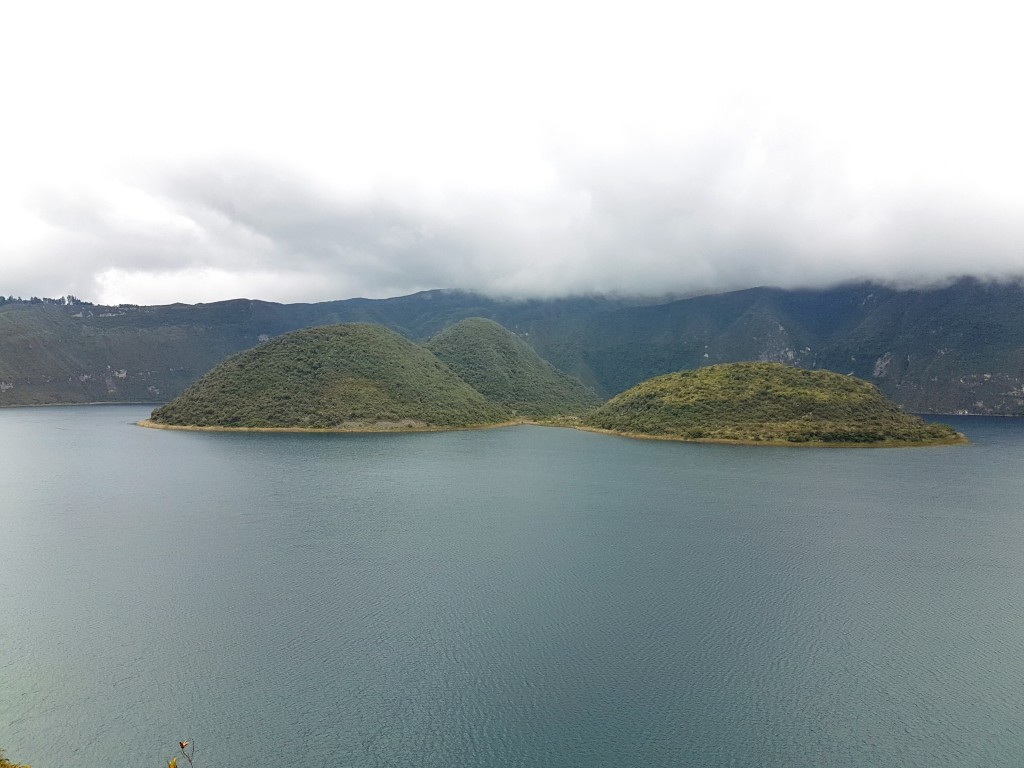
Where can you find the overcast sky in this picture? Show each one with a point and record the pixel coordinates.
(310, 151)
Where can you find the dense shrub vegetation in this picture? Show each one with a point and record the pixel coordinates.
(353, 376)
(506, 370)
(764, 402)
(363, 376)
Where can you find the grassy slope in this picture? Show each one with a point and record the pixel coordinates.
(329, 377)
(763, 402)
(506, 370)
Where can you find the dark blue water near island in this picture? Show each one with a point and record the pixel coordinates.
(527, 596)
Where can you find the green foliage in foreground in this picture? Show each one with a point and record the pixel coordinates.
(5, 763)
(506, 370)
(356, 376)
(764, 402)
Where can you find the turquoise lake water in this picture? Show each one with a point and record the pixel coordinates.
(515, 597)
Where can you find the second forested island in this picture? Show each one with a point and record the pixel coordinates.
(364, 377)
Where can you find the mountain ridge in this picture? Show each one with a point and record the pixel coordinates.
(956, 349)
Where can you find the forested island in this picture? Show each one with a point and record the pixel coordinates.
(364, 377)
(506, 370)
(765, 403)
(353, 377)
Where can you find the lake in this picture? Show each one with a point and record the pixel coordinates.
(524, 596)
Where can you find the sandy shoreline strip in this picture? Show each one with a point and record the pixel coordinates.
(398, 428)
(374, 428)
(960, 439)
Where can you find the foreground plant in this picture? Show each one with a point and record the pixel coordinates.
(5, 763)
(188, 751)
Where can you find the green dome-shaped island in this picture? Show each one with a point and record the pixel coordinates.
(352, 377)
(765, 403)
(506, 370)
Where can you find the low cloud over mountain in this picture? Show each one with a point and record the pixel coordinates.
(565, 150)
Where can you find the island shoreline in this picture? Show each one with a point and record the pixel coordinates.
(150, 424)
(961, 439)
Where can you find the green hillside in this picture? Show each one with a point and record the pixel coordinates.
(952, 349)
(506, 370)
(764, 402)
(355, 376)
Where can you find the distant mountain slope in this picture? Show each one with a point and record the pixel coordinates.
(764, 402)
(354, 376)
(54, 354)
(616, 349)
(84, 353)
(958, 349)
(507, 370)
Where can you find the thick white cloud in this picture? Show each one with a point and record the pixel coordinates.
(291, 153)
